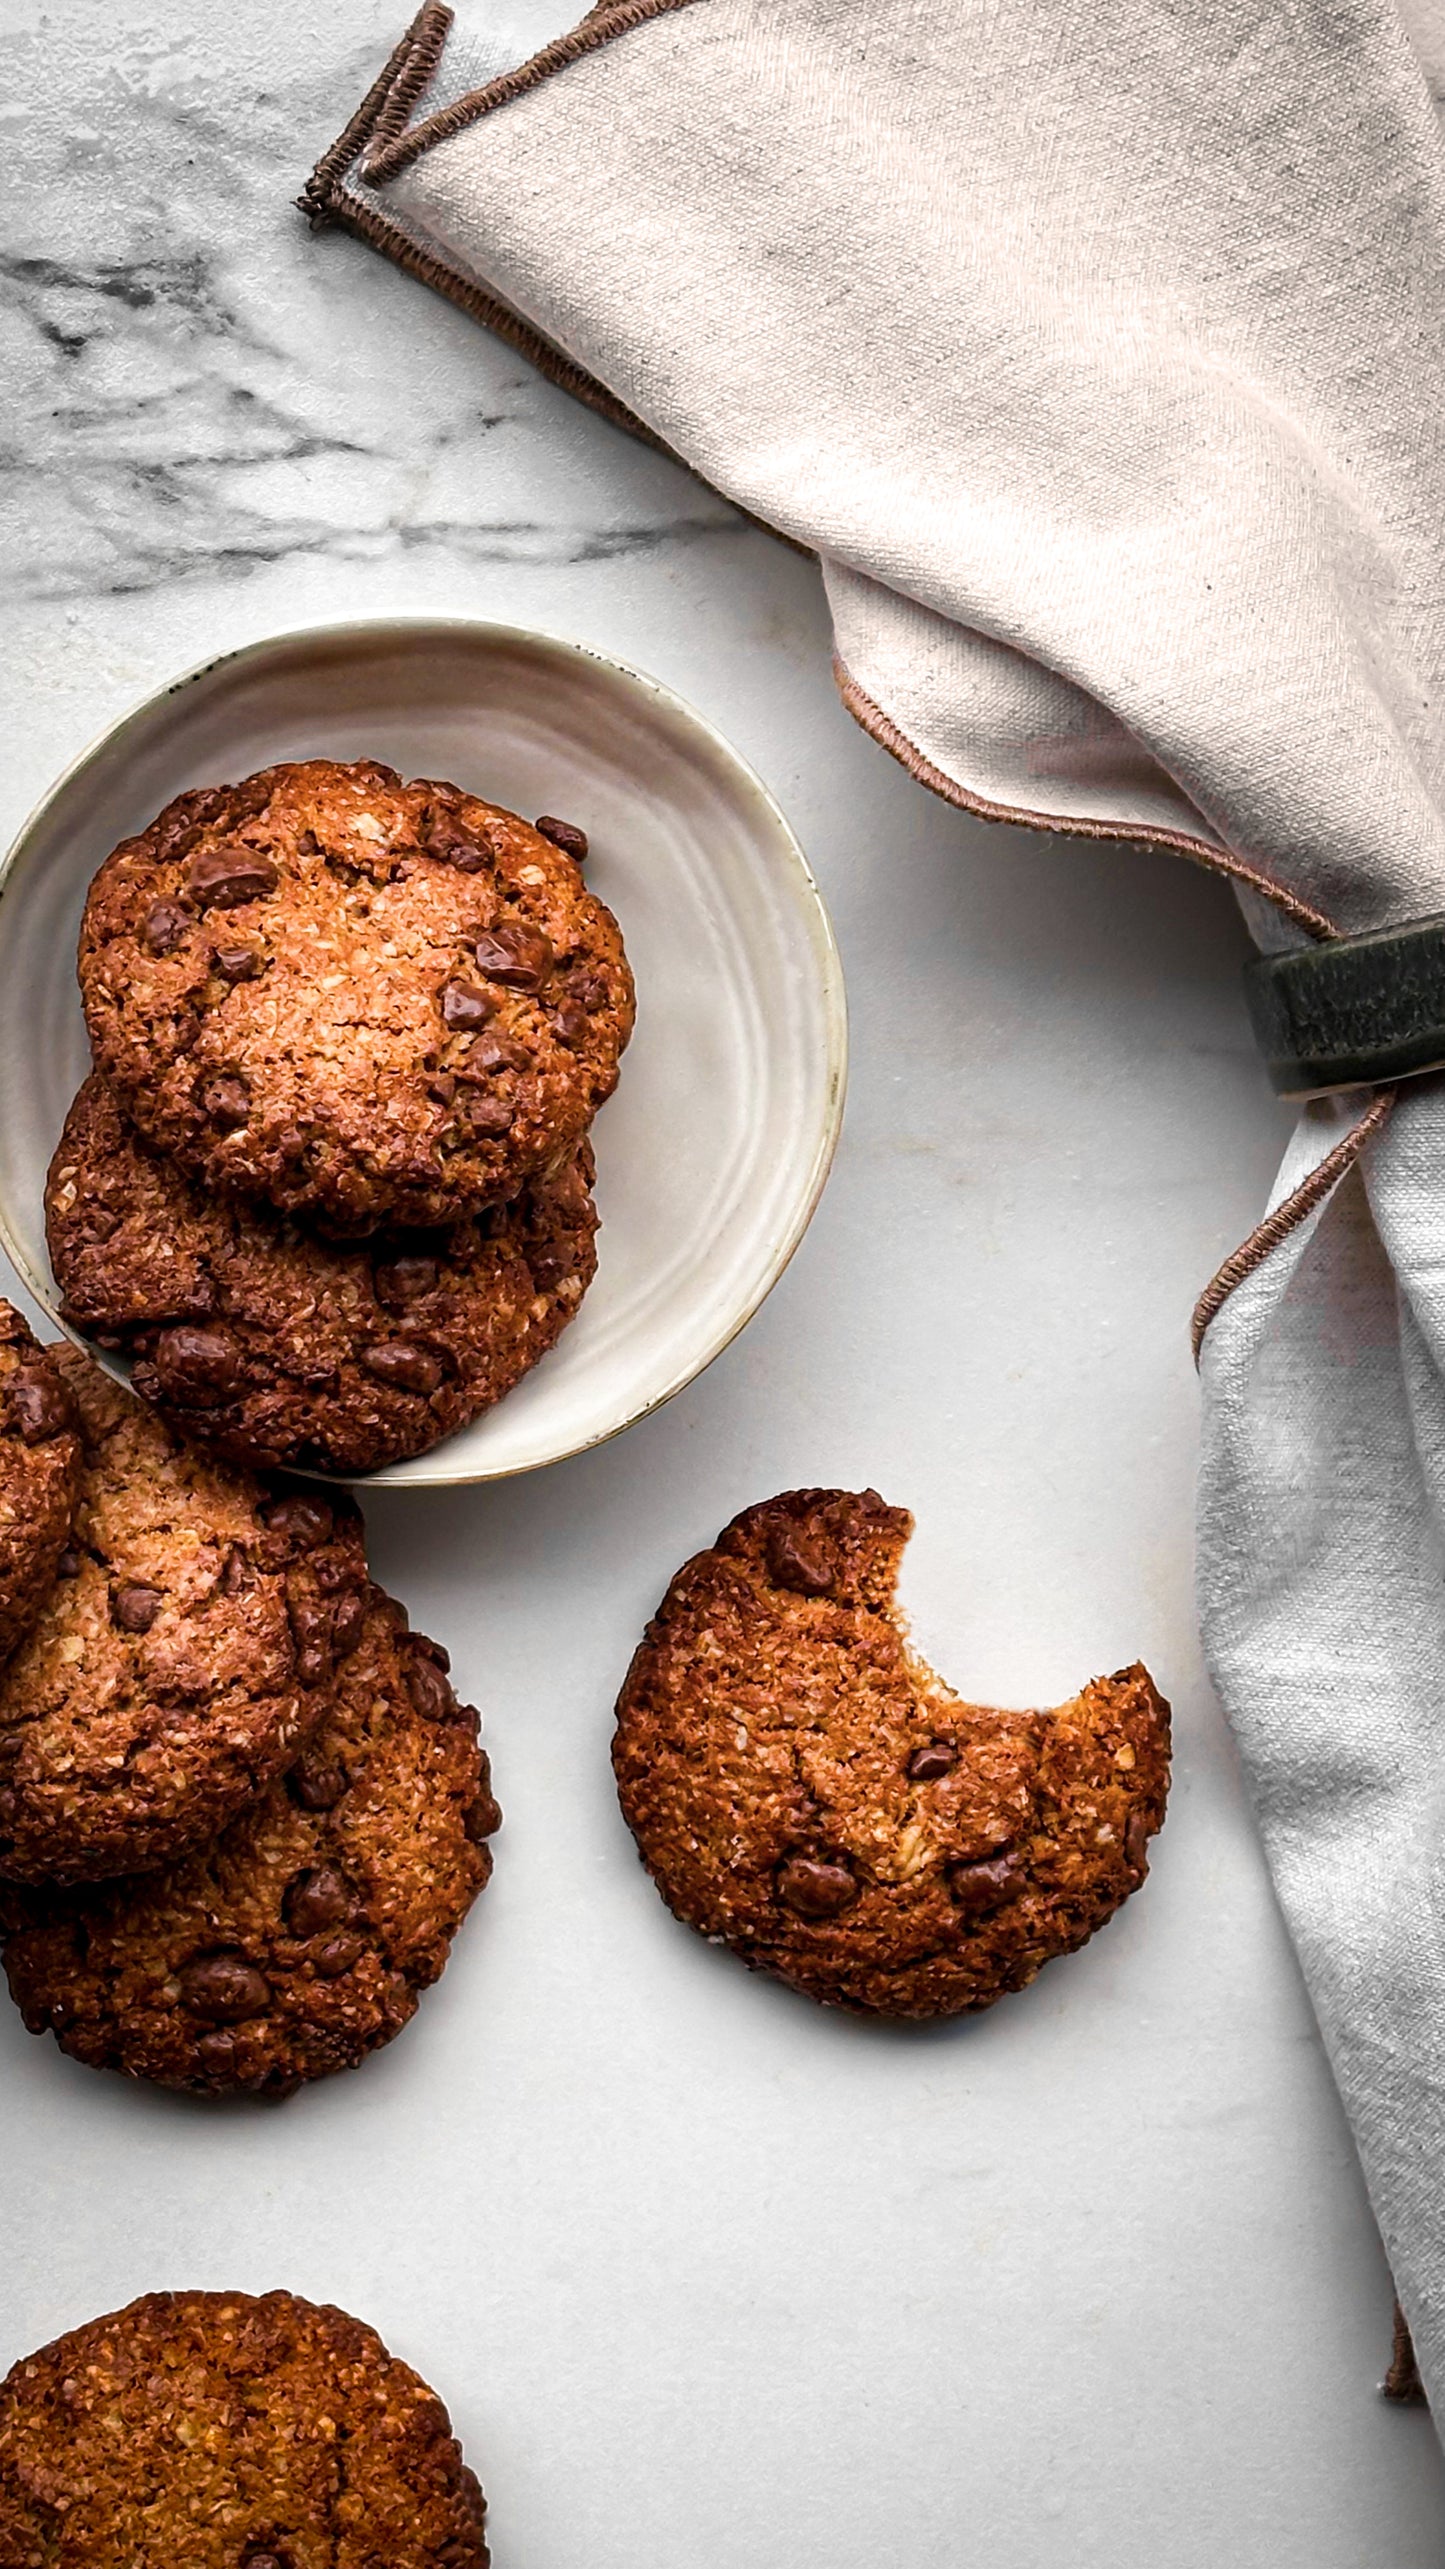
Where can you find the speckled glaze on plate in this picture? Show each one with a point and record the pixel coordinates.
(715, 1148)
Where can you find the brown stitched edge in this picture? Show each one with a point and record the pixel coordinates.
(1277, 1226)
(396, 151)
(1402, 2382)
(1217, 860)
(427, 34)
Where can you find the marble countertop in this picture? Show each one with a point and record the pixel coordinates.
(705, 2276)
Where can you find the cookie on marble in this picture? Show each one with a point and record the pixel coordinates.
(39, 1475)
(369, 1002)
(183, 1655)
(803, 1789)
(303, 1937)
(216, 2430)
(269, 1344)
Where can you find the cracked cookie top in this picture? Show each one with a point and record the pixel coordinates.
(804, 1789)
(229, 2431)
(302, 1938)
(186, 1649)
(39, 1475)
(365, 1001)
(280, 1349)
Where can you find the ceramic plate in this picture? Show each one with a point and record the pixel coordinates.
(712, 1154)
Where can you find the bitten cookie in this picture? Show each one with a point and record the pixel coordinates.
(804, 1789)
(275, 1347)
(369, 1002)
(213, 2430)
(39, 1475)
(185, 1651)
(302, 1938)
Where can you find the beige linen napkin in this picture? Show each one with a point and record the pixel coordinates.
(1094, 349)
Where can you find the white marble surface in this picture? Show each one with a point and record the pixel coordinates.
(705, 2276)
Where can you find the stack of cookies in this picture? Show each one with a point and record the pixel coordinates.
(329, 1185)
(241, 1812)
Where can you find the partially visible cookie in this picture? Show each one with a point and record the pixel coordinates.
(302, 1938)
(369, 1002)
(279, 1348)
(213, 2430)
(182, 1656)
(804, 1789)
(39, 1475)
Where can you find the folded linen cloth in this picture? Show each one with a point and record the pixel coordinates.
(1092, 348)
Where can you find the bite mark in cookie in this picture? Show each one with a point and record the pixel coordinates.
(804, 1789)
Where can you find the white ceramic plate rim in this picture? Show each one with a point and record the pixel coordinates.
(808, 899)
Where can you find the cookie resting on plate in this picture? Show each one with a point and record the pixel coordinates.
(184, 1653)
(366, 1001)
(302, 1938)
(279, 1348)
(215, 2430)
(803, 1789)
(39, 1475)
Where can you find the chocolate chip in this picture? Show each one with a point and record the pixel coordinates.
(550, 1261)
(490, 1053)
(237, 963)
(68, 1566)
(481, 1819)
(569, 1018)
(442, 1086)
(41, 1408)
(401, 1366)
(236, 1575)
(199, 1368)
(797, 1561)
(464, 1006)
(314, 1663)
(516, 955)
(429, 1690)
(592, 990)
(217, 2053)
(303, 1522)
(431, 1649)
(317, 1782)
(572, 841)
(928, 1763)
(336, 1956)
(164, 926)
(988, 1883)
(447, 840)
(136, 1606)
(485, 1116)
(265, 2560)
(1136, 1842)
(224, 1988)
(227, 1101)
(348, 1624)
(400, 1281)
(316, 1899)
(225, 878)
(334, 1572)
(816, 1886)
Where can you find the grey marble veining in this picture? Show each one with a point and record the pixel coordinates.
(703, 2276)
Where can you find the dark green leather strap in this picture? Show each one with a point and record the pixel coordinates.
(1352, 1012)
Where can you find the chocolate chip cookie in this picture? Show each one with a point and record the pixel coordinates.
(302, 1938)
(367, 1001)
(269, 1344)
(185, 1651)
(804, 1789)
(39, 1475)
(214, 2430)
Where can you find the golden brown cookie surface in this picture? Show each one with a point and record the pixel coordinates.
(39, 1475)
(302, 1938)
(183, 1654)
(207, 2430)
(365, 1001)
(279, 1348)
(804, 1790)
